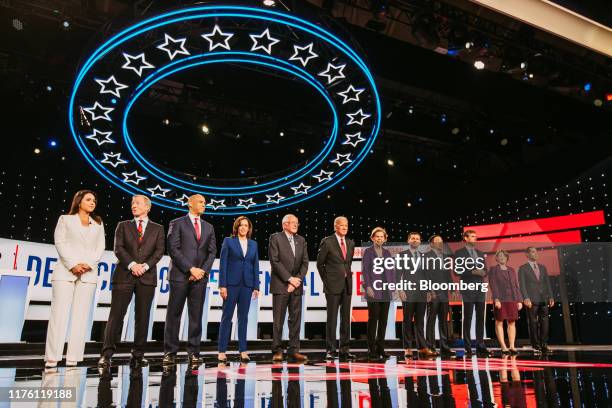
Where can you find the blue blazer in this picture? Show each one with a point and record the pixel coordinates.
(234, 267)
(186, 251)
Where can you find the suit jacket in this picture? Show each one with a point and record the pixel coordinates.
(128, 250)
(532, 288)
(285, 265)
(237, 269)
(186, 251)
(368, 275)
(75, 246)
(438, 275)
(467, 276)
(504, 284)
(415, 295)
(333, 267)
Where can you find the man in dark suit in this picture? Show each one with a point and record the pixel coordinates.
(473, 300)
(334, 261)
(437, 300)
(288, 256)
(537, 297)
(414, 302)
(192, 248)
(139, 245)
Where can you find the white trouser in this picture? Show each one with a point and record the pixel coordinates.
(71, 301)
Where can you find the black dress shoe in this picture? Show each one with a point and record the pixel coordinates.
(447, 353)
(331, 355)
(104, 362)
(168, 359)
(194, 359)
(544, 348)
(469, 352)
(138, 361)
(483, 351)
(384, 355)
(536, 349)
(347, 356)
(513, 352)
(373, 357)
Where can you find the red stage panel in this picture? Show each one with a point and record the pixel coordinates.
(573, 221)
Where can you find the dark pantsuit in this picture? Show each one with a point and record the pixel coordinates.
(378, 313)
(121, 298)
(437, 309)
(194, 293)
(412, 325)
(538, 323)
(279, 308)
(341, 302)
(241, 296)
(468, 312)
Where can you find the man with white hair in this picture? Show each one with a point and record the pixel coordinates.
(139, 245)
(288, 254)
(334, 265)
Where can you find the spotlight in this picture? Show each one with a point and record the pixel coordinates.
(598, 102)
(205, 129)
(587, 87)
(529, 140)
(52, 143)
(269, 3)
(387, 201)
(478, 64)
(503, 142)
(281, 134)
(361, 200)
(523, 65)
(408, 204)
(469, 45)
(443, 118)
(66, 24)
(166, 121)
(302, 151)
(609, 97)
(419, 159)
(17, 24)
(455, 131)
(530, 76)
(49, 88)
(411, 110)
(390, 162)
(37, 151)
(491, 131)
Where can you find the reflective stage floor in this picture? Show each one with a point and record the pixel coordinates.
(576, 378)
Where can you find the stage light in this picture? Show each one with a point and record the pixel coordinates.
(503, 142)
(390, 162)
(411, 110)
(455, 131)
(387, 201)
(166, 121)
(420, 199)
(598, 102)
(281, 134)
(269, 3)
(419, 159)
(361, 200)
(478, 64)
(530, 76)
(302, 151)
(443, 118)
(491, 131)
(529, 140)
(408, 204)
(17, 24)
(523, 65)
(205, 129)
(609, 97)
(587, 87)
(469, 45)
(37, 151)
(49, 88)
(66, 24)
(52, 143)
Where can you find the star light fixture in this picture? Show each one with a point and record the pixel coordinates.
(275, 41)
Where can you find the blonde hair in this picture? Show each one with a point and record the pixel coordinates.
(146, 199)
(376, 230)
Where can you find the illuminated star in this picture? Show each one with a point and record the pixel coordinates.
(175, 49)
(184, 200)
(264, 45)
(115, 88)
(245, 203)
(132, 177)
(97, 107)
(333, 72)
(129, 60)
(301, 189)
(357, 117)
(342, 159)
(274, 198)
(116, 159)
(100, 137)
(214, 204)
(351, 94)
(216, 32)
(158, 191)
(299, 55)
(353, 139)
(323, 176)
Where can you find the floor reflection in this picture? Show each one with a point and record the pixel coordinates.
(566, 379)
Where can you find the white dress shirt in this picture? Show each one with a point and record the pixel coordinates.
(244, 244)
(291, 239)
(145, 221)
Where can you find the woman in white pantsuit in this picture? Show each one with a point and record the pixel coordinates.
(79, 240)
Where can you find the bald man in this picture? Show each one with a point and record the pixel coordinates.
(192, 248)
(334, 265)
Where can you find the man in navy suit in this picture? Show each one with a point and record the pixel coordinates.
(192, 248)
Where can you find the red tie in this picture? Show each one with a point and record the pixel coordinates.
(139, 230)
(197, 228)
(343, 247)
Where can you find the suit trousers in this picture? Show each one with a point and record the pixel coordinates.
(241, 296)
(468, 312)
(193, 293)
(378, 314)
(121, 299)
(538, 323)
(338, 302)
(70, 301)
(280, 304)
(413, 330)
(437, 309)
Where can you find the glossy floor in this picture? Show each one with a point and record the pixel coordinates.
(565, 378)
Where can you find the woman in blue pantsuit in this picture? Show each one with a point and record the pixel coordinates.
(238, 284)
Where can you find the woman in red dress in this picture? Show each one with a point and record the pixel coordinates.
(507, 298)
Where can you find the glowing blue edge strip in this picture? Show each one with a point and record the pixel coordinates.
(152, 79)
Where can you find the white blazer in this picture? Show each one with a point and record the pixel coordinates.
(75, 247)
